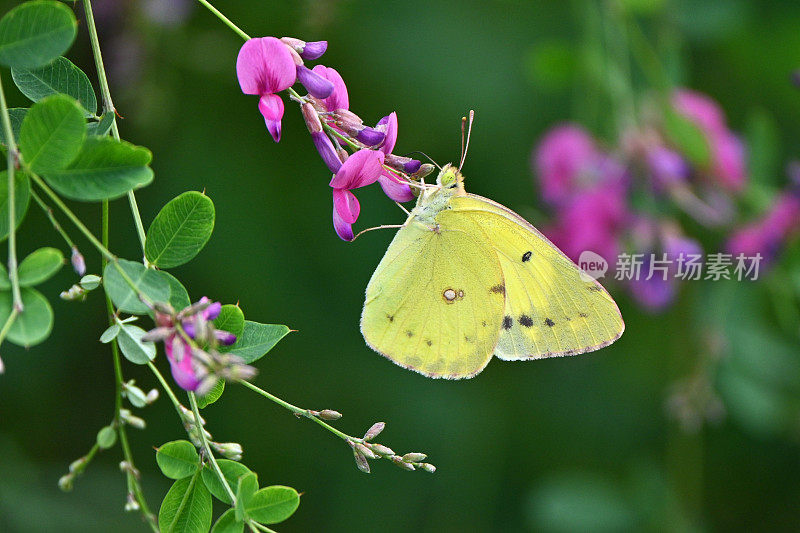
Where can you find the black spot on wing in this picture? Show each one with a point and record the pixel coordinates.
(549, 323)
(594, 288)
(508, 322)
(498, 289)
(527, 256)
(410, 333)
(583, 315)
(428, 342)
(525, 320)
(390, 317)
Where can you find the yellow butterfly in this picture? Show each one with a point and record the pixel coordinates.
(466, 278)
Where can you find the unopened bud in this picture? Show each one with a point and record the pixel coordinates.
(308, 51)
(77, 464)
(78, 263)
(90, 282)
(342, 153)
(329, 414)
(152, 396)
(365, 451)
(374, 431)
(345, 116)
(317, 86)
(131, 504)
(424, 170)
(382, 450)
(65, 482)
(131, 420)
(326, 151)
(361, 461)
(399, 462)
(74, 293)
(311, 118)
(231, 450)
(414, 457)
(427, 467)
(125, 466)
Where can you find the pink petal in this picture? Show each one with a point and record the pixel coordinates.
(388, 125)
(183, 373)
(729, 160)
(343, 229)
(395, 189)
(338, 98)
(362, 168)
(271, 106)
(265, 65)
(346, 204)
(701, 109)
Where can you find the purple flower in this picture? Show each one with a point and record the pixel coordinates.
(654, 294)
(767, 235)
(308, 51)
(360, 169)
(395, 187)
(186, 373)
(667, 168)
(317, 86)
(338, 99)
(562, 155)
(265, 66)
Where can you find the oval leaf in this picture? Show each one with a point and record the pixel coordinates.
(230, 319)
(39, 266)
(22, 196)
(34, 324)
(16, 115)
(103, 126)
(60, 76)
(178, 295)
(178, 459)
(104, 169)
(133, 348)
(213, 395)
(110, 334)
(150, 282)
(227, 523)
(232, 472)
(687, 137)
(186, 507)
(180, 230)
(257, 339)
(52, 133)
(273, 504)
(35, 33)
(106, 437)
(248, 485)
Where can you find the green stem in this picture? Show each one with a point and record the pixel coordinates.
(167, 388)
(6, 328)
(225, 20)
(207, 448)
(49, 212)
(299, 412)
(11, 144)
(108, 107)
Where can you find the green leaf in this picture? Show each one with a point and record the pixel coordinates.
(213, 395)
(34, 324)
(133, 348)
(17, 116)
(150, 282)
(230, 319)
(687, 137)
(232, 471)
(227, 523)
(257, 339)
(178, 459)
(186, 507)
(35, 33)
(40, 266)
(103, 126)
(178, 295)
(90, 282)
(104, 169)
(248, 485)
(273, 504)
(22, 196)
(52, 133)
(180, 230)
(60, 76)
(106, 437)
(110, 334)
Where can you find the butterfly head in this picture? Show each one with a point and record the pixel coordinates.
(450, 178)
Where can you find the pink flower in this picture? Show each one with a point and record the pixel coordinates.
(360, 169)
(338, 98)
(184, 370)
(767, 235)
(701, 110)
(564, 153)
(394, 187)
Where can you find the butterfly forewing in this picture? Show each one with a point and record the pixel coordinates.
(430, 305)
(550, 309)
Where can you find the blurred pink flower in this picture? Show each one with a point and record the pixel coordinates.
(562, 155)
(360, 169)
(767, 235)
(700, 109)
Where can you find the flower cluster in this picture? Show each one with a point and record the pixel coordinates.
(191, 341)
(267, 65)
(634, 197)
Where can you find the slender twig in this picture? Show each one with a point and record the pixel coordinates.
(199, 425)
(108, 106)
(225, 20)
(167, 388)
(13, 158)
(49, 212)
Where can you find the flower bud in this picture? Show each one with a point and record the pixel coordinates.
(313, 50)
(329, 414)
(326, 151)
(382, 450)
(370, 137)
(131, 420)
(230, 450)
(361, 461)
(78, 263)
(342, 153)
(225, 337)
(345, 116)
(373, 432)
(423, 171)
(77, 464)
(65, 482)
(74, 293)
(157, 334)
(311, 118)
(90, 282)
(399, 462)
(316, 85)
(131, 504)
(403, 164)
(366, 452)
(414, 457)
(427, 467)
(152, 396)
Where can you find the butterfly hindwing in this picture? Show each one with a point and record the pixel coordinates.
(550, 309)
(429, 306)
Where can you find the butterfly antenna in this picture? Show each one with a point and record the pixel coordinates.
(437, 165)
(465, 147)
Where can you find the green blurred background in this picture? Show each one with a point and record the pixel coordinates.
(572, 444)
